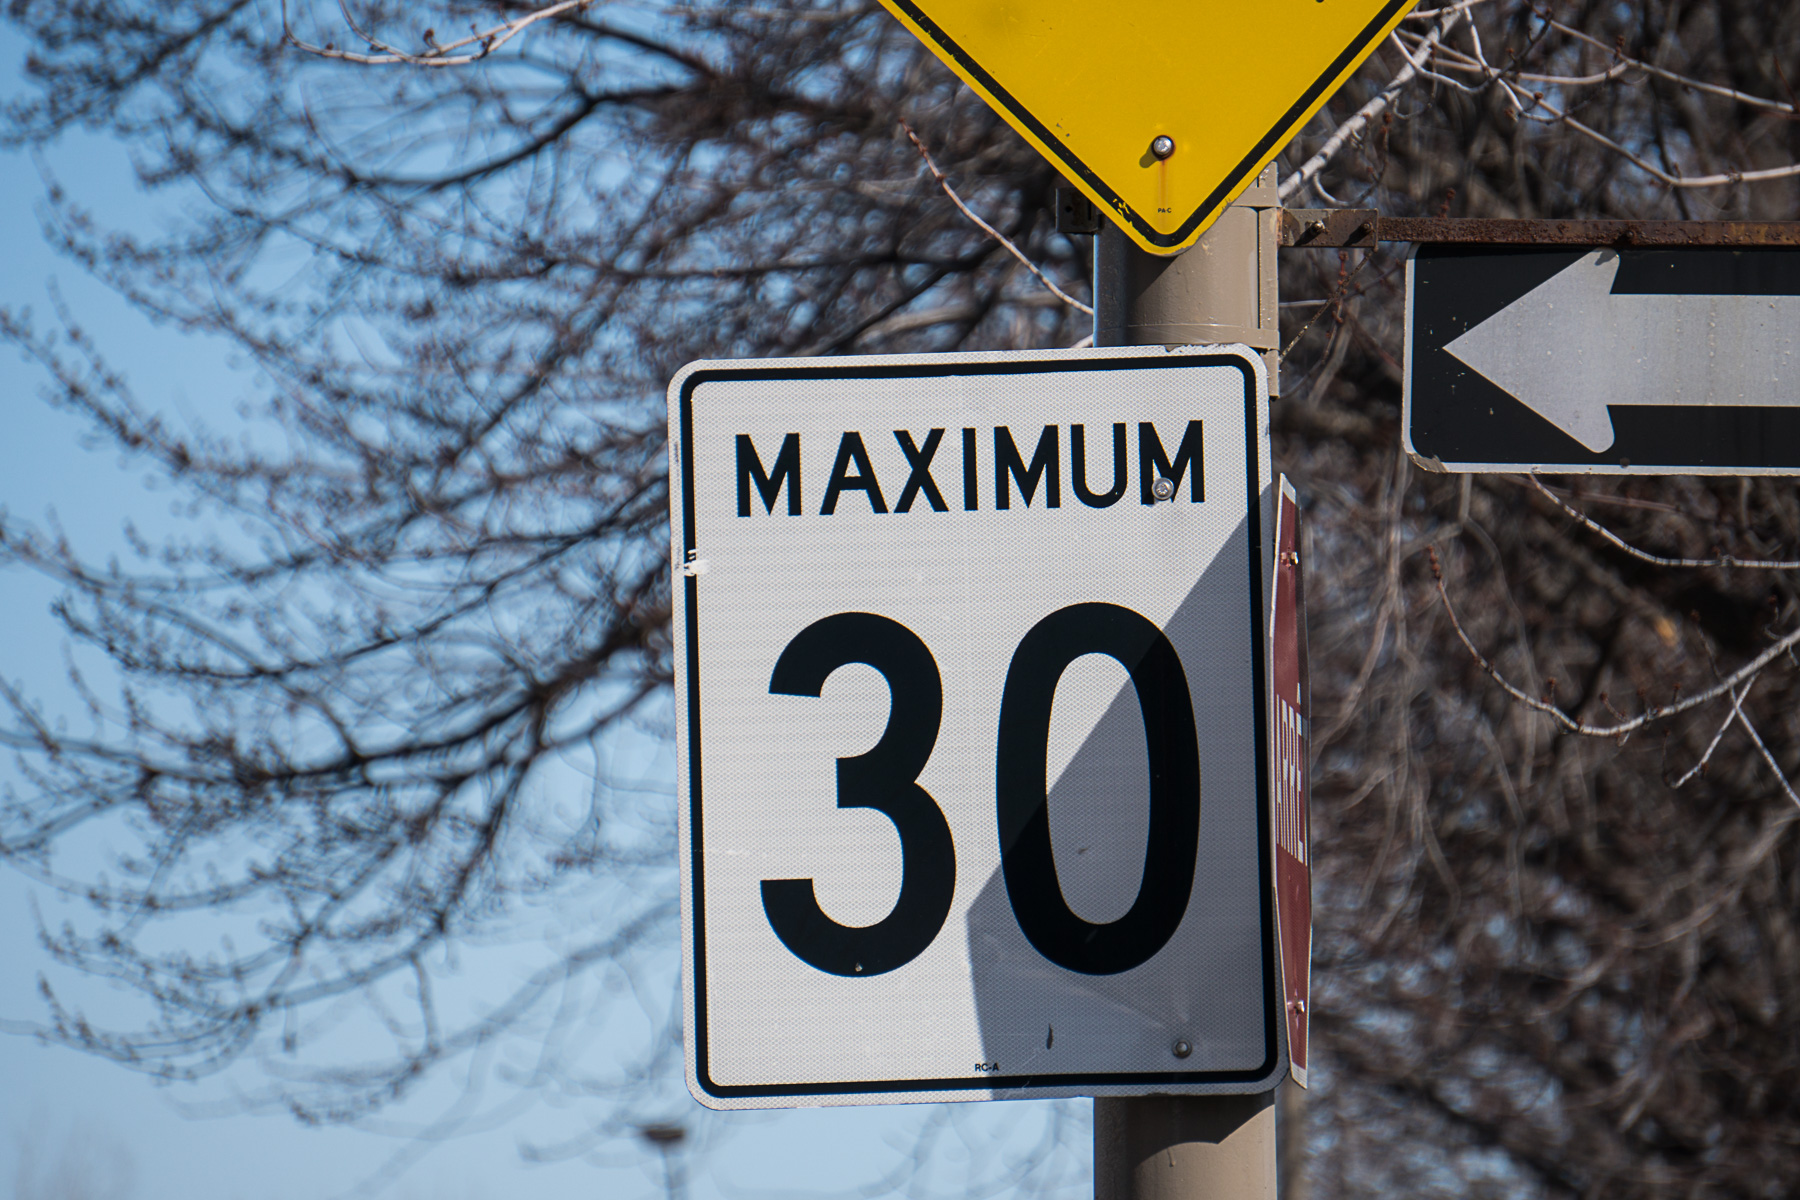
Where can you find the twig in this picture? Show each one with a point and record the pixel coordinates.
(1455, 60)
(1432, 14)
(968, 212)
(1657, 712)
(1551, 114)
(1332, 303)
(1727, 560)
(445, 55)
(1698, 85)
(1721, 179)
(1768, 758)
(1737, 701)
(1368, 112)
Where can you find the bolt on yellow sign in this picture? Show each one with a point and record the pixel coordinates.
(1162, 111)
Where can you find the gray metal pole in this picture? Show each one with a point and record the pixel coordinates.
(1222, 290)
(1184, 1147)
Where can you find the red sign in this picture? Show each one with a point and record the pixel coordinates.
(1291, 705)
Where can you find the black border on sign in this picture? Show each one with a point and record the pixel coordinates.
(1284, 129)
(830, 370)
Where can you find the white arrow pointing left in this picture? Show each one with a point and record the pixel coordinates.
(1569, 348)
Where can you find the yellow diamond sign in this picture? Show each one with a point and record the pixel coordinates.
(1162, 111)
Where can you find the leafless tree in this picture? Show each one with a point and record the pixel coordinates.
(466, 244)
(1556, 926)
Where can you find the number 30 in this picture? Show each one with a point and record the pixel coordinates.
(886, 779)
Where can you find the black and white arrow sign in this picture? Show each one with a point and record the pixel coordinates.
(1655, 362)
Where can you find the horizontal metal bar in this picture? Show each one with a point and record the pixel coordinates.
(1589, 233)
(1351, 228)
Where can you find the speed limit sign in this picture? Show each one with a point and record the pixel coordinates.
(972, 705)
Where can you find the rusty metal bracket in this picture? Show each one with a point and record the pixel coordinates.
(1342, 228)
(1361, 228)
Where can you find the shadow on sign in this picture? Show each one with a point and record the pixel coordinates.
(1203, 985)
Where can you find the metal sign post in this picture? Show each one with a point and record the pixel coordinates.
(1222, 290)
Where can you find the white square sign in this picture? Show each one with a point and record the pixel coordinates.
(971, 697)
